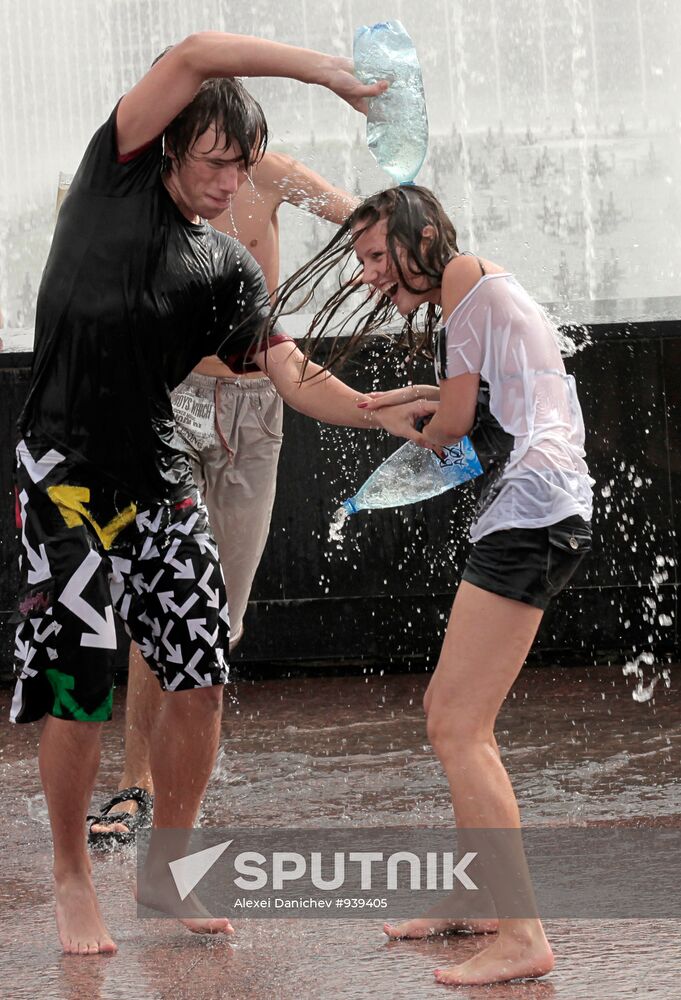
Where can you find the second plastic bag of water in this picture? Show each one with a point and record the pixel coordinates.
(397, 122)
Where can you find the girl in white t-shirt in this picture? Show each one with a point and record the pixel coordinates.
(501, 381)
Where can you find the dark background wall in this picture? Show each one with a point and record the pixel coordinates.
(382, 595)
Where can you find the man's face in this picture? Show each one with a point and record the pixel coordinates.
(208, 176)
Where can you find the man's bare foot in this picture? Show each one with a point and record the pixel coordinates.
(128, 813)
(79, 922)
(507, 958)
(423, 928)
(129, 806)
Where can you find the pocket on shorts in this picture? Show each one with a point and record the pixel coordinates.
(269, 414)
(194, 418)
(568, 542)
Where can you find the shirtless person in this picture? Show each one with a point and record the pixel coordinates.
(232, 429)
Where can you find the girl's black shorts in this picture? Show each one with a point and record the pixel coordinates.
(531, 565)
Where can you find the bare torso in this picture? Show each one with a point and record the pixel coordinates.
(253, 220)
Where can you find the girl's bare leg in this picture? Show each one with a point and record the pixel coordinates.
(487, 640)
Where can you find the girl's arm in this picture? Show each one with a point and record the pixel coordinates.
(395, 397)
(458, 395)
(451, 421)
(456, 413)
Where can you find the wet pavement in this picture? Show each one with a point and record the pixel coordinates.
(347, 751)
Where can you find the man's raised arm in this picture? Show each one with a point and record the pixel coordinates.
(171, 83)
(298, 185)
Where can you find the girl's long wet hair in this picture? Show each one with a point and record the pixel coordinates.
(344, 328)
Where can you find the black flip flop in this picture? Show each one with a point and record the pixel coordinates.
(133, 821)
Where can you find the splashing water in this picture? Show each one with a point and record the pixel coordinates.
(337, 522)
(644, 692)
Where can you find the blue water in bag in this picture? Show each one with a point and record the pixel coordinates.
(397, 122)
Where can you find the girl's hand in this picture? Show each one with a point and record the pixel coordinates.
(396, 397)
(403, 420)
(340, 78)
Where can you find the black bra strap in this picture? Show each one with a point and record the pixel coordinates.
(469, 253)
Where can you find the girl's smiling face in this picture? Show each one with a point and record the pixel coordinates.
(379, 269)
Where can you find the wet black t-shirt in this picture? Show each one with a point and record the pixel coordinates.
(132, 297)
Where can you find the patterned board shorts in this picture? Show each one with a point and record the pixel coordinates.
(89, 552)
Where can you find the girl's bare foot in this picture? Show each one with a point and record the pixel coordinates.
(79, 922)
(161, 895)
(508, 957)
(424, 927)
(209, 925)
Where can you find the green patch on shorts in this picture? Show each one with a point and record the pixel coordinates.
(65, 705)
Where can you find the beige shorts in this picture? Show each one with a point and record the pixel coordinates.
(232, 431)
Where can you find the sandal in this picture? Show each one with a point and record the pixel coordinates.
(133, 821)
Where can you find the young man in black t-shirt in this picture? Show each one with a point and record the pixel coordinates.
(137, 288)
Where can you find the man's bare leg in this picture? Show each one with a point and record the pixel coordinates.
(69, 758)
(142, 708)
(184, 746)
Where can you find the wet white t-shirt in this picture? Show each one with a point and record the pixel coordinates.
(500, 332)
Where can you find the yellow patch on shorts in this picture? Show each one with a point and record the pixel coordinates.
(71, 502)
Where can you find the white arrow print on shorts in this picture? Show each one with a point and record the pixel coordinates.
(124, 607)
(38, 470)
(185, 569)
(165, 598)
(119, 569)
(144, 522)
(147, 649)
(149, 550)
(39, 562)
(25, 653)
(211, 591)
(168, 604)
(203, 680)
(195, 626)
(186, 528)
(39, 636)
(174, 652)
(182, 611)
(152, 586)
(189, 669)
(206, 542)
(103, 635)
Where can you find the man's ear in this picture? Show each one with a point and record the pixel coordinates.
(168, 154)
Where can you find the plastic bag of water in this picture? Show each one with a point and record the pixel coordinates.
(397, 122)
(411, 474)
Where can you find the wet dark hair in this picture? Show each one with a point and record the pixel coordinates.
(222, 102)
(408, 210)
